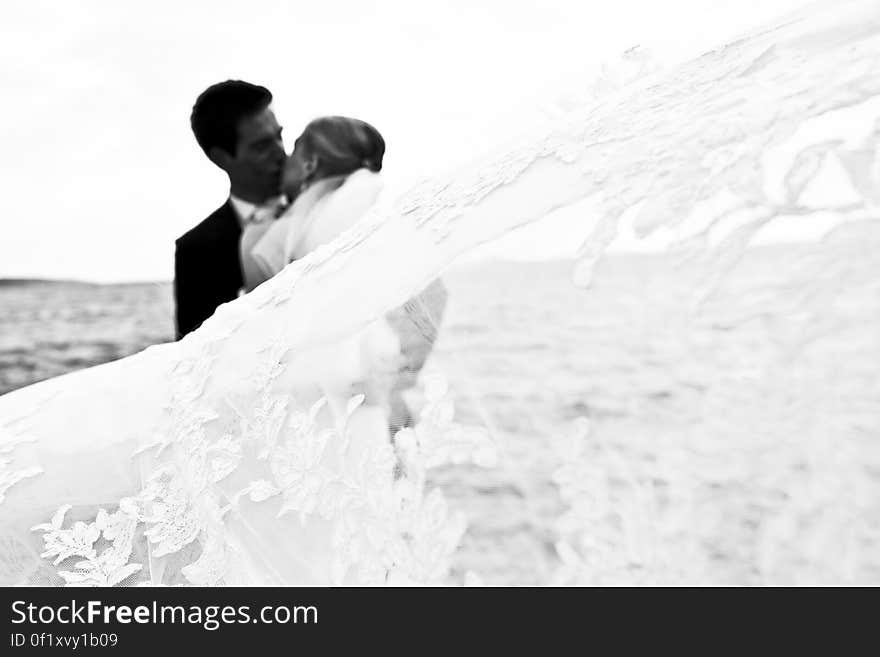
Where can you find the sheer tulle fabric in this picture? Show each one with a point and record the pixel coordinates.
(257, 450)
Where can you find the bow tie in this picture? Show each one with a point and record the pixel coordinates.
(269, 211)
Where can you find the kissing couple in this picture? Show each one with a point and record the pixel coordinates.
(282, 207)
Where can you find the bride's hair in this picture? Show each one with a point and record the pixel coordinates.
(343, 145)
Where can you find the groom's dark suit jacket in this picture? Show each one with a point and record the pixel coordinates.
(207, 268)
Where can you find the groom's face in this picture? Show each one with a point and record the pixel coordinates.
(255, 168)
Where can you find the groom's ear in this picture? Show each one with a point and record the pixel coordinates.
(219, 157)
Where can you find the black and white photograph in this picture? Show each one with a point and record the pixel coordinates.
(459, 293)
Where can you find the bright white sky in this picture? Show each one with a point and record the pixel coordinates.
(101, 173)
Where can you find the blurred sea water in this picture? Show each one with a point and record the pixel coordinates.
(48, 328)
(643, 438)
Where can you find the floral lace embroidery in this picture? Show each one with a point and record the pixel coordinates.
(108, 567)
(385, 530)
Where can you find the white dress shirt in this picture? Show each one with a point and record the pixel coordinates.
(253, 225)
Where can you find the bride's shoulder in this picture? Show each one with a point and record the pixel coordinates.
(363, 180)
(360, 188)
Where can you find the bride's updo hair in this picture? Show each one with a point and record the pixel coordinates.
(343, 145)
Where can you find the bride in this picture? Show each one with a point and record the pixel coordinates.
(334, 176)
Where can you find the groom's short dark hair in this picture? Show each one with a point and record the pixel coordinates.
(220, 107)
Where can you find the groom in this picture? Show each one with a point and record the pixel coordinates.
(236, 128)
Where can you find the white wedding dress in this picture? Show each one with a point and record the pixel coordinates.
(319, 214)
(247, 454)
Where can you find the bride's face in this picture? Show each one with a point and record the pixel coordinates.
(298, 170)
